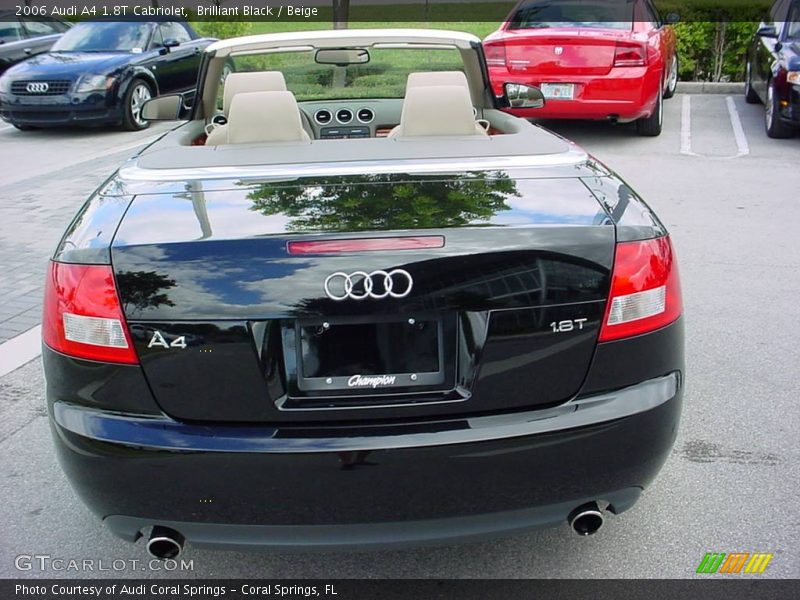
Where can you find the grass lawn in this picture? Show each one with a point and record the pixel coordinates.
(478, 18)
(479, 28)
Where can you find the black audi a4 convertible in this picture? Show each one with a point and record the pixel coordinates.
(349, 316)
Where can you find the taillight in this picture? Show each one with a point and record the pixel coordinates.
(82, 314)
(630, 54)
(495, 54)
(645, 289)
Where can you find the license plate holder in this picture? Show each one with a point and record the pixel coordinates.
(558, 91)
(369, 355)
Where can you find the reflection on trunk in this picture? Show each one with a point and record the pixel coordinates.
(381, 202)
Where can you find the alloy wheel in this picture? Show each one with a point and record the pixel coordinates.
(747, 85)
(673, 76)
(140, 95)
(768, 106)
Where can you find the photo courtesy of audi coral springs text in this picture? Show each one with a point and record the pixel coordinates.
(360, 316)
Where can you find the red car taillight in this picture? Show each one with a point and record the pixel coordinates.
(645, 289)
(630, 54)
(495, 54)
(82, 314)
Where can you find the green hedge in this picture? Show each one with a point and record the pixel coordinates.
(713, 35)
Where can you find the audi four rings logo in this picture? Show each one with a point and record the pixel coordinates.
(37, 88)
(359, 285)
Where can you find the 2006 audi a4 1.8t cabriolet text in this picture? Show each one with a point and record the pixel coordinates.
(352, 303)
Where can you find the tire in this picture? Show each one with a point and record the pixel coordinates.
(750, 95)
(138, 93)
(772, 122)
(672, 82)
(651, 126)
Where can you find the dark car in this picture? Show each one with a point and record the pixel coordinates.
(361, 316)
(773, 69)
(102, 72)
(23, 37)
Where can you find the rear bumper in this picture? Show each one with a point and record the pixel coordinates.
(371, 485)
(625, 93)
(364, 536)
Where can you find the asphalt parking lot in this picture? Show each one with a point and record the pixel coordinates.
(729, 196)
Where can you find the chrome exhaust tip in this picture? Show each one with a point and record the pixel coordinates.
(165, 543)
(586, 519)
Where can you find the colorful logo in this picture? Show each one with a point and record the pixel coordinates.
(735, 562)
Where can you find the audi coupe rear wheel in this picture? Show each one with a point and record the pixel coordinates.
(772, 118)
(672, 82)
(138, 93)
(651, 126)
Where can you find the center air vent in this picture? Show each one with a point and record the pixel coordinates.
(323, 116)
(344, 115)
(365, 115)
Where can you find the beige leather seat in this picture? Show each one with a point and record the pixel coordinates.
(428, 78)
(437, 110)
(252, 81)
(261, 117)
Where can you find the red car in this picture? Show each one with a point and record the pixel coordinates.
(592, 59)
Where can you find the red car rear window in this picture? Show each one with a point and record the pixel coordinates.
(573, 13)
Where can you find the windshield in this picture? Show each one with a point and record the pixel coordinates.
(384, 76)
(608, 14)
(104, 37)
(793, 25)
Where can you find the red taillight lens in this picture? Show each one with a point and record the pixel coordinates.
(630, 55)
(495, 54)
(645, 289)
(82, 315)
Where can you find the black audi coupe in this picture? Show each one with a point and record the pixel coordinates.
(101, 73)
(326, 316)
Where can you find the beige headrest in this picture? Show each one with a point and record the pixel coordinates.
(429, 78)
(264, 117)
(437, 110)
(252, 81)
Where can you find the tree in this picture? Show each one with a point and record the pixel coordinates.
(341, 13)
(381, 202)
(143, 289)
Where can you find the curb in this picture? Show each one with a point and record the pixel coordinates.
(710, 87)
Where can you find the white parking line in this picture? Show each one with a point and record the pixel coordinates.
(19, 350)
(738, 130)
(742, 147)
(686, 126)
